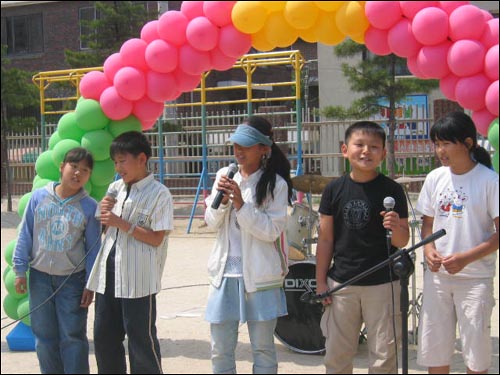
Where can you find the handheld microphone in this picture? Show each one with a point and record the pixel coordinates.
(389, 204)
(232, 169)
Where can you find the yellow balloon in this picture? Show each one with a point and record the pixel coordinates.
(249, 16)
(278, 31)
(309, 35)
(260, 43)
(360, 38)
(273, 6)
(329, 6)
(301, 14)
(327, 31)
(351, 19)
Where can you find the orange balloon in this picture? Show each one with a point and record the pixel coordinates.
(248, 16)
(301, 14)
(360, 38)
(278, 31)
(351, 19)
(273, 6)
(327, 31)
(260, 43)
(329, 6)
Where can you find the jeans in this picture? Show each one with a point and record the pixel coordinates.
(115, 317)
(225, 337)
(60, 326)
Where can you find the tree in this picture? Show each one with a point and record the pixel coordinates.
(375, 77)
(115, 23)
(19, 97)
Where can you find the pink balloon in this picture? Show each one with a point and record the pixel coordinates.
(491, 98)
(133, 53)
(466, 22)
(218, 12)
(482, 118)
(219, 61)
(161, 56)
(202, 34)
(146, 109)
(432, 62)
(401, 39)
(413, 67)
(430, 26)
(172, 27)
(192, 9)
(193, 61)
(490, 34)
(450, 6)
(491, 63)
(376, 40)
(448, 85)
(466, 57)
(411, 8)
(487, 15)
(130, 83)
(149, 31)
(186, 82)
(470, 91)
(111, 65)
(234, 43)
(383, 14)
(148, 124)
(161, 86)
(93, 84)
(113, 105)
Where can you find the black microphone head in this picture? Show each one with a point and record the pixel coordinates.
(389, 203)
(232, 169)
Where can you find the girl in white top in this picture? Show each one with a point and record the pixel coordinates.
(249, 260)
(461, 197)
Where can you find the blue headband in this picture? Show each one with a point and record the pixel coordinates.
(247, 136)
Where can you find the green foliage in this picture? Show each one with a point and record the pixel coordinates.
(117, 22)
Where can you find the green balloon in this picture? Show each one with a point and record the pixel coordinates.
(40, 183)
(68, 128)
(493, 133)
(61, 148)
(10, 279)
(54, 138)
(9, 250)
(10, 306)
(130, 123)
(494, 160)
(103, 172)
(45, 166)
(23, 202)
(98, 142)
(98, 192)
(90, 116)
(23, 309)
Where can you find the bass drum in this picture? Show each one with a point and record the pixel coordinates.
(300, 330)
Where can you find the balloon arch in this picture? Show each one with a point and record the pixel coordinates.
(452, 41)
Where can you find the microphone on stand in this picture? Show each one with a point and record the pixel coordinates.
(389, 204)
(232, 169)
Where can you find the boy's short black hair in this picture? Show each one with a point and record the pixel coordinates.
(78, 154)
(365, 127)
(130, 143)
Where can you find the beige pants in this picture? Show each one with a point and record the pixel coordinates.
(342, 320)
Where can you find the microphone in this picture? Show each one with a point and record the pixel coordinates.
(389, 204)
(110, 193)
(232, 169)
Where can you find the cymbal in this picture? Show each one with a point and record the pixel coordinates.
(406, 179)
(310, 183)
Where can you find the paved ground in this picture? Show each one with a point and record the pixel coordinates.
(184, 335)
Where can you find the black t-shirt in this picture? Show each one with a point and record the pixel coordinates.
(359, 236)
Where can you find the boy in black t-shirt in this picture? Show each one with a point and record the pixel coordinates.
(353, 228)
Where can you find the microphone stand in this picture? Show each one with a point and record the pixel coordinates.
(403, 267)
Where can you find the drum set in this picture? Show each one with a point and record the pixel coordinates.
(300, 329)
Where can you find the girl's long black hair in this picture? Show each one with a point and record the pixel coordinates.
(276, 164)
(457, 127)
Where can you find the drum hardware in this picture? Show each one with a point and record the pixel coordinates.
(299, 229)
(310, 183)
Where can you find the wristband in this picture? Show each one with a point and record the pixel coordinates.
(131, 229)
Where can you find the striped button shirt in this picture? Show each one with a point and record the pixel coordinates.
(138, 266)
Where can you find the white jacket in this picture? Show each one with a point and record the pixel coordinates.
(263, 237)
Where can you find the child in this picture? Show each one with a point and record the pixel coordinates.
(127, 272)
(59, 230)
(249, 260)
(353, 226)
(461, 196)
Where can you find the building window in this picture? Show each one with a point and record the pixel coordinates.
(86, 16)
(24, 34)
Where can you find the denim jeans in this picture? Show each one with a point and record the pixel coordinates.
(59, 326)
(115, 317)
(225, 337)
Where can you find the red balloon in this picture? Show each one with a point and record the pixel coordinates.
(491, 63)
(219, 61)
(383, 14)
(130, 83)
(413, 67)
(202, 34)
(218, 12)
(491, 98)
(113, 105)
(162, 87)
(432, 61)
(193, 61)
(430, 26)
(146, 109)
(192, 9)
(111, 65)
(149, 31)
(482, 118)
(466, 57)
(186, 82)
(162, 56)
(448, 85)
(490, 34)
(93, 84)
(172, 27)
(467, 22)
(471, 91)
(402, 41)
(133, 53)
(234, 43)
(411, 8)
(450, 6)
(376, 40)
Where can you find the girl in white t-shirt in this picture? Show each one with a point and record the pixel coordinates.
(461, 196)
